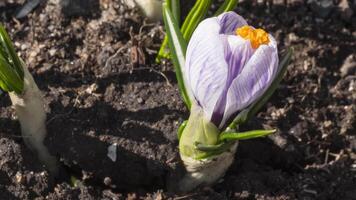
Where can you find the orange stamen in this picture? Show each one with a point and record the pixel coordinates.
(257, 37)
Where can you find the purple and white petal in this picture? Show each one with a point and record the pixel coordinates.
(206, 69)
(253, 80)
(237, 52)
(229, 22)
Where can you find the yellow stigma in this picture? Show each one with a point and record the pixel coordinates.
(257, 37)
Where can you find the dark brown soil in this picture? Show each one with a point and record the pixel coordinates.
(99, 94)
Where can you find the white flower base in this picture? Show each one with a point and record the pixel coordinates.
(207, 171)
(30, 111)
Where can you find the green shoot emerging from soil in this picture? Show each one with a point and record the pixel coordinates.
(26, 98)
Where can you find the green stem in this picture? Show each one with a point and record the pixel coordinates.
(228, 5)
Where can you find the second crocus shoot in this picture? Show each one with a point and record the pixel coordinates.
(26, 98)
(225, 74)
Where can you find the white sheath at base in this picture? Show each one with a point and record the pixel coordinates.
(207, 171)
(30, 111)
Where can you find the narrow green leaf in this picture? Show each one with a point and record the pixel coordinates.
(164, 51)
(207, 147)
(228, 5)
(246, 114)
(175, 7)
(190, 15)
(10, 81)
(178, 47)
(11, 68)
(212, 150)
(196, 18)
(226, 136)
(5, 39)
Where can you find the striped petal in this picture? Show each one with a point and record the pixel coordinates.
(238, 51)
(254, 79)
(206, 68)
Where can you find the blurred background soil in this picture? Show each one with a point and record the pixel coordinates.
(102, 92)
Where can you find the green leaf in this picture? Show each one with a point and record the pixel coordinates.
(9, 79)
(11, 68)
(247, 113)
(197, 16)
(5, 40)
(228, 5)
(178, 47)
(227, 136)
(208, 148)
(164, 51)
(175, 7)
(212, 150)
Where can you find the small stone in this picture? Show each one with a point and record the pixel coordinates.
(290, 100)
(107, 181)
(327, 123)
(292, 37)
(349, 66)
(112, 152)
(23, 47)
(92, 88)
(19, 178)
(139, 100)
(52, 52)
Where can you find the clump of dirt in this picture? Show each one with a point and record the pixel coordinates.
(21, 174)
(103, 89)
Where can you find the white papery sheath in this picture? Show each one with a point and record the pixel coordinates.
(29, 108)
(206, 171)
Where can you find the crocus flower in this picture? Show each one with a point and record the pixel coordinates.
(229, 65)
